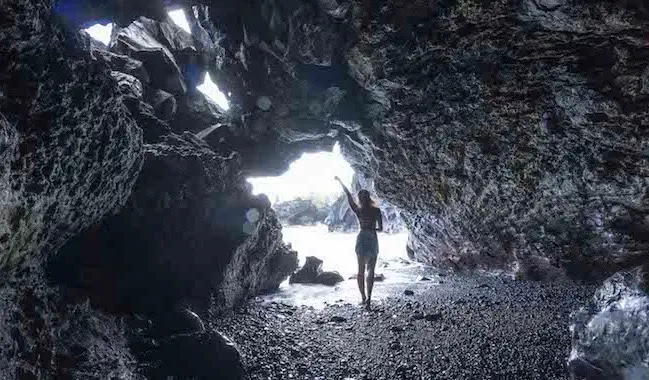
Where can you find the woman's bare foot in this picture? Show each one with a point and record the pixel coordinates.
(367, 305)
(363, 301)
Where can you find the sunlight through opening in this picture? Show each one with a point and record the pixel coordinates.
(312, 175)
(212, 92)
(179, 18)
(100, 32)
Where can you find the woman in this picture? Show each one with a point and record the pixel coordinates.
(367, 244)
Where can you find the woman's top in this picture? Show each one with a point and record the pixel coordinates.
(367, 218)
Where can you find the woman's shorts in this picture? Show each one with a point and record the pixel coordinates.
(367, 244)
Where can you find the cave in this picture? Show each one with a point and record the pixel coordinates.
(510, 137)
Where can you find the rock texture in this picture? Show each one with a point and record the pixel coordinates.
(311, 273)
(610, 335)
(506, 133)
(69, 149)
(189, 227)
(342, 218)
(302, 212)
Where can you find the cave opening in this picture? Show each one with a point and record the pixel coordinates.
(317, 221)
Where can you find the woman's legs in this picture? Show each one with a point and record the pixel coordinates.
(371, 264)
(361, 276)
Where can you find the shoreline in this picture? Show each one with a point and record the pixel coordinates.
(466, 327)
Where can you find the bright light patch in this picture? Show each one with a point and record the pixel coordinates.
(179, 18)
(211, 90)
(312, 174)
(100, 32)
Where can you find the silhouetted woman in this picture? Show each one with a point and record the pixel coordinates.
(367, 244)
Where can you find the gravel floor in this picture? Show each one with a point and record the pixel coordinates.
(453, 327)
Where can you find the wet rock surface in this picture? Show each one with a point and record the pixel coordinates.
(456, 330)
(610, 333)
(311, 273)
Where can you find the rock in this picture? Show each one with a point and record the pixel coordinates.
(165, 105)
(309, 272)
(264, 103)
(301, 212)
(69, 150)
(329, 278)
(423, 278)
(408, 292)
(417, 316)
(432, 317)
(198, 355)
(338, 319)
(608, 334)
(204, 203)
(138, 41)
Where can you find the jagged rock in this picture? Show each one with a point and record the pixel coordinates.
(69, 149)
(120, 63)
(342, 218)
(45, 336)
(300, 212)
(178, 344)
(138, 41)
(309, 272)
(187, 196)
(165, 105)
(610, 335)
(199, 355)
(329, 278)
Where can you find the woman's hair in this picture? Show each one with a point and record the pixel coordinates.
(364, 199)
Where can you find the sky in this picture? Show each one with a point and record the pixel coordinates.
(313, 173)
(208, 87)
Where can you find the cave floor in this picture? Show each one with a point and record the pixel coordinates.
(453, 327)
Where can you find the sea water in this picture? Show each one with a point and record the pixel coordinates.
(336, 250)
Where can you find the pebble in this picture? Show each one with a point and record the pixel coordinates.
(517, 331)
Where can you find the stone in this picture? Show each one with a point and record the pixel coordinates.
(201, 201)
(309, 272)
(165, 105)
(338, 319)
(408, 292)
(264, 103)
(198, 355)
(329, 278)
(300, 211)
(139, 42)
(432, 317)
(609, 334)
(69, 150)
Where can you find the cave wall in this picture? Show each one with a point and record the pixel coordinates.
(118, 235)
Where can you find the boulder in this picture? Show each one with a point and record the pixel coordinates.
(309, 272)
(329, 278)
(300, 212)
(610, 334)
(138, 41)
(191, 229)
(70, 151)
